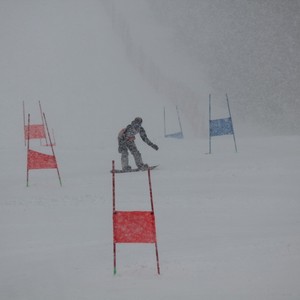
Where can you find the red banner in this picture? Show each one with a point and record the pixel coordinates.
(37, 160)
(134, 227)
(36, 131)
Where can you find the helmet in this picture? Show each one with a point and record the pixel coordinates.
(137, 122)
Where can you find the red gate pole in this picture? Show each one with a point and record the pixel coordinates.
(52, 149)
(152, 208)
(54, 142)
(44, 122)
(113, 186)
(157, 259)
(28, 129)
(24, 123)
(150, 190)
(114, 211)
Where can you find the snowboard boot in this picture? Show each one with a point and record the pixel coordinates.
(126, 169)
(143, 167)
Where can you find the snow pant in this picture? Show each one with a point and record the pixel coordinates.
(131, 146)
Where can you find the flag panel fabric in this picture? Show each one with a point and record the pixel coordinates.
(177, 135)
(37, 160)
(220, 127)
(36, 131)
(134, 227)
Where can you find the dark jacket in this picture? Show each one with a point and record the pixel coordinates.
(128, 135)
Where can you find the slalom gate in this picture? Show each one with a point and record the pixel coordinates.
(222, 126)
(177, 135)
(38, 160)
(133, 226)
(37, 131)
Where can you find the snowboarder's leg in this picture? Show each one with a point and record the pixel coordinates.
(136, 155)
(125, 160)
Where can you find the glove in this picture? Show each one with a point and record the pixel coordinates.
(155, 147)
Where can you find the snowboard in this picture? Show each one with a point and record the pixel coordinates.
(134, 170)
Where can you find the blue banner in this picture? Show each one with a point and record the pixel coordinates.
(220, 127)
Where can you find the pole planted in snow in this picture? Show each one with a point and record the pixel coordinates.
(209, 124)
(152, 209)
(43, 122)
(28, 129)
(231, 123)
(114, 211)
(52, 149)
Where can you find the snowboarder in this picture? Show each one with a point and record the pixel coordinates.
(126, 142)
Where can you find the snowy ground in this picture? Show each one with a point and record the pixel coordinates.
(227, 224)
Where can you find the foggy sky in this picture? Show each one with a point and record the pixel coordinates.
(184, 50)
(249, 49)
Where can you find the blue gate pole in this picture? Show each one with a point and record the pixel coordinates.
(209, 123)
(164, 122)
(231, 123)
(179, 121)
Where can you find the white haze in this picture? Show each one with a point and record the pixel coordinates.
(227, 223)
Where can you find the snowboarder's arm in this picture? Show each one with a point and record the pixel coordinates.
(146, 140)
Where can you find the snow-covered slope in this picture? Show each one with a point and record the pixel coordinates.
(227, 224)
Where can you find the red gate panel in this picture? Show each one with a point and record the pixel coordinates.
(37, 160)
(36, 131)
(134, 227)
